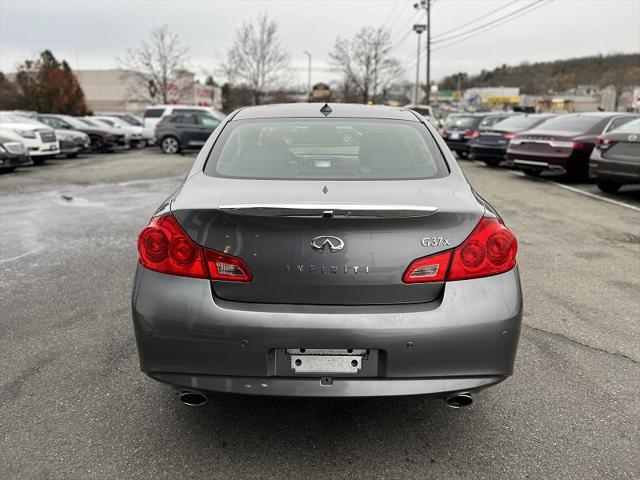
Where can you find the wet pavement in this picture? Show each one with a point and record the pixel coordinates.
(74, 404)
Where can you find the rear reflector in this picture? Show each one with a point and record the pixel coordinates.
(508, 135)
(489, 250)
(164, 247)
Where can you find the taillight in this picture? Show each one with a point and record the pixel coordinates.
(226, 267)
(164, 247)
(603, 142)
(428, 269)
(577, 145)
(508, 135)
(489, 250)
(159, 125)
(471, 134)
(444, 134)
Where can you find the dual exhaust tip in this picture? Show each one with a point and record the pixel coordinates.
(193, 398)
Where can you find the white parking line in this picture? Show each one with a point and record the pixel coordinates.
(17, 257)
(582, 192)
(597, 197)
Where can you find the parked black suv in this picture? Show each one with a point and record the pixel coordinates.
(460, 129)
(184, 130)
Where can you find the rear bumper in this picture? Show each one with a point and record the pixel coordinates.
(538, 162)
(466, 340)
(8, 160)
(624, 172)
(481, 151)
(460, 146)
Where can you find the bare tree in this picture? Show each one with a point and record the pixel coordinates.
(257, 59)
(156, 65)
(366, 62)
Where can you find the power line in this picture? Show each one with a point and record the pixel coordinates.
(502, 7)
(494, 22)
(478, 31)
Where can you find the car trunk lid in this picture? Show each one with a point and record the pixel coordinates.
(326, 247)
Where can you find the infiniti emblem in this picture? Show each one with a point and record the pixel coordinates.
(335, 244)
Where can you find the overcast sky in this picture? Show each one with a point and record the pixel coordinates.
(91, 34)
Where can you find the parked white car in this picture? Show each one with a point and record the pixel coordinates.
(133, 135)
(153, 114)
(133, 121)
(40, 140)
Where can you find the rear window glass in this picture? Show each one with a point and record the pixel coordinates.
(490, 121)
(571, 123)
(629, 127)
(335, 149)
(153, 112)
(461, 122)
(518, 122)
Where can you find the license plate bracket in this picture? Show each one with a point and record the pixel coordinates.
(313, 362)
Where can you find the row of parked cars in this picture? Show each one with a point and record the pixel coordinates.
(604, 146)
(30, 138)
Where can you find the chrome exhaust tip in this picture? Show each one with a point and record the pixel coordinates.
(193, 399)
(459, 400)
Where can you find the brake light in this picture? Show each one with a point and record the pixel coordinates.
(471, 134)
(508, 135)
(159, 125)
(489, 250)
(444, 134)
(164, 247)
(577, 145)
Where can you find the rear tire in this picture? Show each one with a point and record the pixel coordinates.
(608, 186)
(71, 155)
(463, 154)
(170, 145)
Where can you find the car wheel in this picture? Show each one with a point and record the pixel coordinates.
(608, 186)
(7, 170)
(96, 144)
(71, 155)
(532, 173)
(38, 161)
(492, 162)
(170, 145)
(463, 154)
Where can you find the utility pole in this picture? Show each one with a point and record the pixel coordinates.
(418, 28)
(426, 4)
(308, 76)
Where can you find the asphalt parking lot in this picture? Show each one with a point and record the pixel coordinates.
(74, 404)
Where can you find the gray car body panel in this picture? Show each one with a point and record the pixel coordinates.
(463, 335)
(188, 337)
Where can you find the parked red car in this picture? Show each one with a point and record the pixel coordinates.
(563, 144)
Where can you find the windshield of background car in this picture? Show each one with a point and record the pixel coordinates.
(490, 121)
(517, 123)
(336, 149)
(461, 122)
(74, 122)
(630, 127)
(571, 123)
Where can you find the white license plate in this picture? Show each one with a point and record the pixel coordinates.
(455, 136)
(320, 361)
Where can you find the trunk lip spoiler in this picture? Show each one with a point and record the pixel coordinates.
(328, 210)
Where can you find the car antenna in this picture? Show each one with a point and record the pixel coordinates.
(326, 109)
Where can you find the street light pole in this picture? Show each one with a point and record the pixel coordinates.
(418, 28)
(308, 76)
(426, 4)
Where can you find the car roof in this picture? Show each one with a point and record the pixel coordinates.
(338, 110)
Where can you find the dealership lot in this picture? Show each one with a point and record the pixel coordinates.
(75, 405)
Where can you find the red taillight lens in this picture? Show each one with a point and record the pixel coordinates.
(444, 134)
(226, 267)
(471, 134)
(159, 125)
(164, 247)
(603, 142)
(428, 269)
(489, 250)
(577, 145)
(508, 135)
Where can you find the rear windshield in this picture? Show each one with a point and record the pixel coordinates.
(517, 123)
(571, 123)
(335, 149)
(629, 127)
(462, 122)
